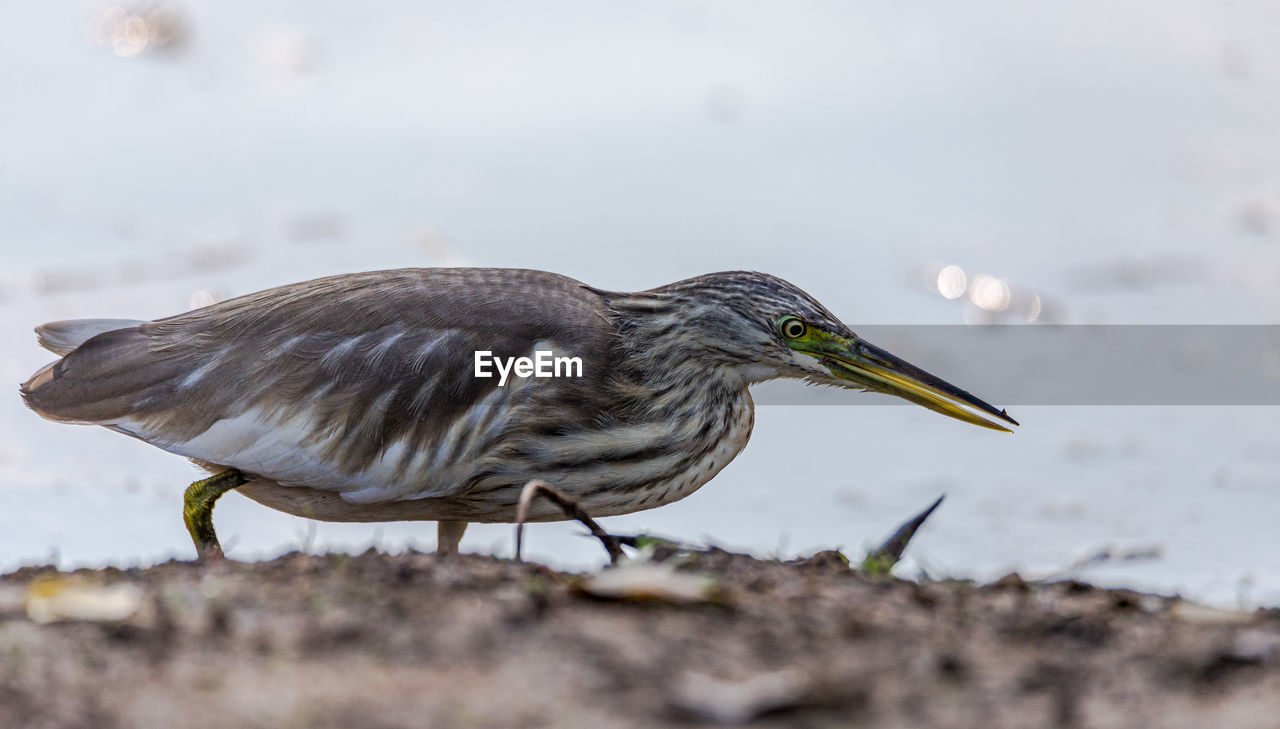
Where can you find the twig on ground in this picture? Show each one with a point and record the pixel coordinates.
(882, 559)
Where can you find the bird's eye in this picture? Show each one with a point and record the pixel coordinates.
(792, 328)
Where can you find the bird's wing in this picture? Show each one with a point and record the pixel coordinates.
(358, 383)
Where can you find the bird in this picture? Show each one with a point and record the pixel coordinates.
(374, 396)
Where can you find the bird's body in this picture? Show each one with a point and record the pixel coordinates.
(356, 397)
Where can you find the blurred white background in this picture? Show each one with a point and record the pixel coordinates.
(1079, 163)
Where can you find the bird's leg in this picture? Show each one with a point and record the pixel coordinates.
(536, 488)
(448, 534)
(197, 510)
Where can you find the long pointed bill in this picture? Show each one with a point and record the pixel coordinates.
(878, 370)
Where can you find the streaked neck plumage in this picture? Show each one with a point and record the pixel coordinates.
(678, 353)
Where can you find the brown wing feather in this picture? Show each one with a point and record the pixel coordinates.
(101, 380)
(376, 356)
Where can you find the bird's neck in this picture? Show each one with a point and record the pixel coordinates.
(669, 368)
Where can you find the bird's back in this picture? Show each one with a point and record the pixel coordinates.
(358, 383)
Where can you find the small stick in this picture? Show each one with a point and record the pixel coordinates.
(881, 559)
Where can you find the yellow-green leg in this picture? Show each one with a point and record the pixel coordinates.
(197, 510)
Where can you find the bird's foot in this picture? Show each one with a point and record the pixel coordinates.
(645, 541)
(655, 548)
(197, 511)
(571, 509)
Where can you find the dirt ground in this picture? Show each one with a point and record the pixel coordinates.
(710, 638)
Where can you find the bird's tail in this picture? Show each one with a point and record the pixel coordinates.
(106, 367)
(60, 337)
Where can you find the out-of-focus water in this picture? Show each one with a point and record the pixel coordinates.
(1113, 164)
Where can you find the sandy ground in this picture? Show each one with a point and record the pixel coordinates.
(709, 638)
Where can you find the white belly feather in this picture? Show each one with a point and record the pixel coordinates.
(284, 448)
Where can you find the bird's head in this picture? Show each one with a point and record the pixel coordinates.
(766, 327)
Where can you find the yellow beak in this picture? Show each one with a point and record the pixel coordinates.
(878, 370)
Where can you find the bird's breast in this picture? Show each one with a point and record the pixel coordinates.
(706, 443)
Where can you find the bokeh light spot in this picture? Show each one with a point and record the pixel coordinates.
(989, 293)
(952, 282)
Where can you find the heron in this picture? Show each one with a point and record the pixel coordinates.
(358, 397)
